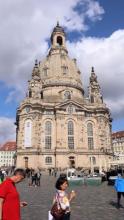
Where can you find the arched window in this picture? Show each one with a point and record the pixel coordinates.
(30, 93)
(48, 135)
(70, 135)
(27, 133)
(59, 40)
(90, 136)
(48, 160)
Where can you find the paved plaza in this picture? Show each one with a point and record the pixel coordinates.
(91, 203)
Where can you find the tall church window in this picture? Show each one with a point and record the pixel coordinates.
(48, 135)
(90, 136)
(27, 133)
(70, 135)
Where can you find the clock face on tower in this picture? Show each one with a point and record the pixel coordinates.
(67, 95)
(27, 109)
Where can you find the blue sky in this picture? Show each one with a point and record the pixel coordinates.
(95, 37)
(112, 19)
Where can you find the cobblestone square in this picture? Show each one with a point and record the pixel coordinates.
(91, 203)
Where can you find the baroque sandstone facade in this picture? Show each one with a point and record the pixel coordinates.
(57, 126)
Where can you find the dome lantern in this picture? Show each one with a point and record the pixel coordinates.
(58, 37)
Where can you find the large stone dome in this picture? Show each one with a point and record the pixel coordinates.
(58, 69)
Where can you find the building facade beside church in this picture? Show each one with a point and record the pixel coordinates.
(118, 149)
(57, 126)
(7, 154)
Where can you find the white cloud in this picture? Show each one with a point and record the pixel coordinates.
(25, 26)
(94, 11)
(7, 129)
(106, 55)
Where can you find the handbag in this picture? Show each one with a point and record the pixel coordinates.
(56, 211)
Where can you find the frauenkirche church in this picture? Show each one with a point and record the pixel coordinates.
(57, 126)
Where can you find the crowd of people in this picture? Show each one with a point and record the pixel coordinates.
(9, 197)
(34, 176)
(10, 201)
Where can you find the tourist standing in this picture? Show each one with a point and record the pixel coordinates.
(38, 178)
(62, 198)
(9, 197)
(34, 178)
(49, 171)
(55, 172)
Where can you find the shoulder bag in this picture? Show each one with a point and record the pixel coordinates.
(56, 211)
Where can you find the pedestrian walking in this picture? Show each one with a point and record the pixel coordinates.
(49, 171)
(62, 199)
(119, 186)
(9, 197)
(38, 177)
(34, 179)
(55, 172)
